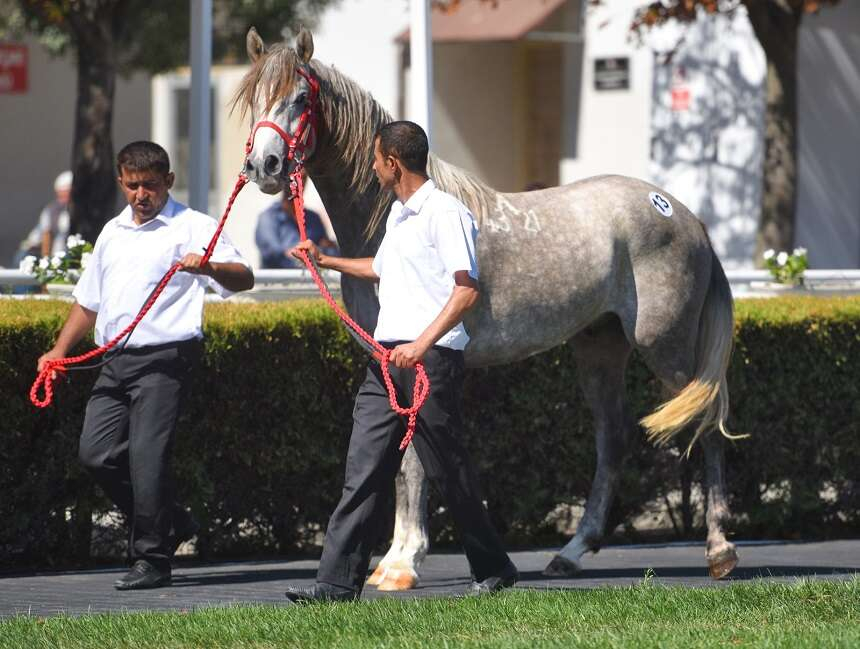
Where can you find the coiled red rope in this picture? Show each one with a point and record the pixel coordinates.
(294, 144)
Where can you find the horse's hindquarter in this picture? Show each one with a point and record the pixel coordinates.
(553, 261)
(545, 261)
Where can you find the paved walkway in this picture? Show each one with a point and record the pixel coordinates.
(263, 582)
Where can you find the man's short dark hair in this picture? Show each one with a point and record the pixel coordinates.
(143, 156)
(407, 142)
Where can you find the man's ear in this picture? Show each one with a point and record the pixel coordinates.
(254, 45)
(169, 179)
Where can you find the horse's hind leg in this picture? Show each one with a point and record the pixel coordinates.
(398, 569)
(601, 354)
(671, 356)
(720, 553)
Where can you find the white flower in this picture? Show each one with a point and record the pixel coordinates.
(27, 264)
(799, 252)
(74, 240)
(85, 259)
(44, 263)
(73, 275)
(61, 254)
(56, 260)
(769, 253)
(782, 258)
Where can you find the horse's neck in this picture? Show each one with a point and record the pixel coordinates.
(348, 213)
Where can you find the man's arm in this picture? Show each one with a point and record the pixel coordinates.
(231, 275)
(79, 322)
(463, 297)
(361, 267)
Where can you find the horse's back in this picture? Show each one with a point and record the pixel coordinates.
(554, 260)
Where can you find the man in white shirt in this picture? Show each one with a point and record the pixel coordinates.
(427, 272)
(131, 416)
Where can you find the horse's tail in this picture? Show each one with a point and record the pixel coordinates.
(707, 394)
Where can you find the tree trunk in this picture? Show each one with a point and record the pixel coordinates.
(94, 187)
(777, 27)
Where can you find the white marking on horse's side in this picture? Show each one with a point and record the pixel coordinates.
(532, 224)
(499, 223)
(661, 204)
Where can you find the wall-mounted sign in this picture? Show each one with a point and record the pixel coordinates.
(13, 68)
(612, 74)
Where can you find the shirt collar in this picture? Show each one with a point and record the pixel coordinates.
(415, 202)
(171, 208)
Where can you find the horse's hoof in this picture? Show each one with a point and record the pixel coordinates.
(378, 576)
(561, 567)
(723, 563)
(397, 579)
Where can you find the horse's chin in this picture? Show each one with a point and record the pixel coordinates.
(270, 184)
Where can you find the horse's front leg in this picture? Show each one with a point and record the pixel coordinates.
(398, 569)
(720, 553)
(601, 359)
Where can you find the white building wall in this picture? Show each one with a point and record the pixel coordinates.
(828, 192)
(614, 126)
(710, 155)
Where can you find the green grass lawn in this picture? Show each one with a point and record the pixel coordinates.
(803, 614)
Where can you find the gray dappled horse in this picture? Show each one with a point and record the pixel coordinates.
(610, 264)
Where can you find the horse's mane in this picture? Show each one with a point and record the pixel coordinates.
(352, 116)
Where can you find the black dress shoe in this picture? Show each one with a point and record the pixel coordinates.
(493, 584)
(143, 575)
(320, 592)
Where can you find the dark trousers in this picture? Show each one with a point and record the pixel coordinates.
(127, 440)
(373, 461)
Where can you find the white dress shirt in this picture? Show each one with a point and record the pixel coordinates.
(129, 260)
(427, 240)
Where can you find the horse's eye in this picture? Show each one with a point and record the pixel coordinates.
(301, 98)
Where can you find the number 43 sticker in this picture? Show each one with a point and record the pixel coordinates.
(661, 204)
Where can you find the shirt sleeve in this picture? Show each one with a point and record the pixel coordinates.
(454, 234)
(377, 259)
(88, 290)
(225, 252)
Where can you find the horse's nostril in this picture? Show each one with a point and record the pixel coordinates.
(249, 167)
(272, 165)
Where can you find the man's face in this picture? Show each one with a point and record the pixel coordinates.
(63, 195)
(383, 166)
(146, 192)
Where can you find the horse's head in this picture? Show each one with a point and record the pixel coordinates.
(277, 91)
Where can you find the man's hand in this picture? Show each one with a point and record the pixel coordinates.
(310, 248)
(407, 354)
(52, 355)
(193, 263)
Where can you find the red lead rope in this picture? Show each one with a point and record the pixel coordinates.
(294, 144)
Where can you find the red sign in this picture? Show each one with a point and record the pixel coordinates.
(13, 68)
(680, 98)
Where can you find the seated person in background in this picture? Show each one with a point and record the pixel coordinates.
(54, 219)
(48, 236)
(277, 232)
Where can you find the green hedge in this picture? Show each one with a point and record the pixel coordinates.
(260, 449)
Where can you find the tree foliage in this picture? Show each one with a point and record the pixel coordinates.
(154, 35)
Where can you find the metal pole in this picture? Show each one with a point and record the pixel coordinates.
(421, 66)
(200, 118)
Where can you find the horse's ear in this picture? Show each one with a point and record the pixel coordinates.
(254, 45)
(305, 45)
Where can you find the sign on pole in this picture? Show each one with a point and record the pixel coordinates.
(13, 68)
